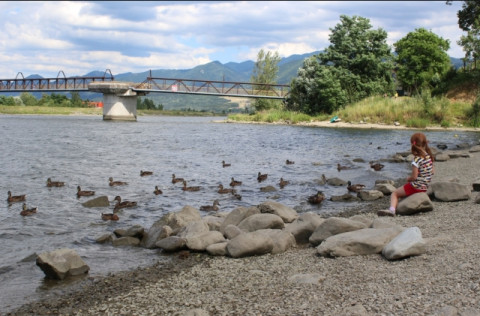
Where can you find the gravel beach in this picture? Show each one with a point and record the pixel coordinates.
(443, 281)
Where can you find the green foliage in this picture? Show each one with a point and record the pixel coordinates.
(417, 123)
(357, 64)
(468, 15)
(422, 60)
(28, 99)
(265, 72)
(475, 112)
(9, 101)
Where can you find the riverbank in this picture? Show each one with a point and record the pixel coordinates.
(443, 281)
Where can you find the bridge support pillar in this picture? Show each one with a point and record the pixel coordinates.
(119, 101)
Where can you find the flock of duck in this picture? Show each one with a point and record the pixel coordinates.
(313, 199)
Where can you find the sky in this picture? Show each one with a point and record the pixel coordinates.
(77, 37)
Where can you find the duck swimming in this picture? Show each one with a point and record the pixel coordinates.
(213, 207)
(235, 183)
(145, 173)
(157, 190)
(175, 179)
(355, 187)
(110, 217)
(115, 183)
(377, 166)
(316, 198)
(283, 183)
(51, 183)
(262, 177)
(28, 211)
(123, 204)
(191, 189)
(84, 193)
(15, 198)
(289, 162)
(223, 190)
(225, 164)
(340, 167)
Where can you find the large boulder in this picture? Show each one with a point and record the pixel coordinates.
(154, 234)
(201, 241)
(287, 213)
(101, 201)
(193, 229)
(250, 244)
(177, 220)
(360, 242)
(333, 226)
(172, 243)
(282, 240)
(415, 203)
(261, 221)
(369, 195)
(385, 188)
(126, 241)
(61, 263)
(407, 243)
(237, 215)
(450, 191)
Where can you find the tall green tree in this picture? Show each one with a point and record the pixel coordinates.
(469, 21)
(357, 64)
(422, 60)
(28, 99)
(265, 71)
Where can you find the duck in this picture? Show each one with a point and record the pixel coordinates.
(123, 204)
(110, 217)
(157, 190)
(145, 173)
(175, 179)
(289, 162)
(84, 193)
(213, 207)
(225, 164)
(223, 190)
(354, 187)
(316, 198)
(185, 188)
(262, 177)
(235, 182)
(15, 198)
(236, 195)
(115, 183)
(51, 183)
(377, 166)
(340, 167)
(283, 183)
(28, 211)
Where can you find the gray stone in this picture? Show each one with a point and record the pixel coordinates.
(261, 221)
(333, 226)
(105, 238)
(193, 229)
(101, 201)
(450, 191)
(218, 249)
(370, 195)
(232, 231)
(136, 231)
(61, 263)
(201, 241)
(415, 203)
(304, 226)
(476, 185)
(172, 243)
(282, 240)
(442, 157)
(287, 213)
(407, 243)
(179, 219)
(268, 188)
(237, 215)
(477, 199)
(474, 149)
(154, 234)
(126, 241)
(385, 188)
(249, 244)
(336, 182)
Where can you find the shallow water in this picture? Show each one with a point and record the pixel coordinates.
(86, 151)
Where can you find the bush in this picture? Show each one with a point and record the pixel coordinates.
(417, 123)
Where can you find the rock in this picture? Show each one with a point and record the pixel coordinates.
(407, 243)
(447, 311)
(218, 249)
(442, 157)
(333, 226)
(370, 195)
(268, 188)
(398, 158)
(250, 244)
(415, 203)
(355, 310)
(385, 188)
(360, 242)
(61, 263)
(136, 231)
(172, 243)
(201, 241)
(383, 223)
(287, 213)
(101, 201)
(154, 234)
(304, 226)
(347, 197)
(474, 149)
(362, 219)
(237, 215)
(214, 222)
(261, 221)
(232, 231)
(336, 182)
(450, 191)
(312, 278)
(477, 199)
(193, 229)
(126, 241)
(384, 181)
(105, 238)
(282, 240)
(476, 185)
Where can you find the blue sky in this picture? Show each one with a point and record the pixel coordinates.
(77, 37)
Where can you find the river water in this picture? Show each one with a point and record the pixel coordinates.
(86, 151)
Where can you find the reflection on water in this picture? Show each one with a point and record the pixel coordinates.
(86, 151)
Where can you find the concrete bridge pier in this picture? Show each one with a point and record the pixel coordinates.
(119, 101)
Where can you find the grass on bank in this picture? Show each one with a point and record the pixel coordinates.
(417, 112)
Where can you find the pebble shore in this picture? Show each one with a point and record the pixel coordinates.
(443, 281)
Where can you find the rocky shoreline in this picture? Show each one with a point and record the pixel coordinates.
(443, 281)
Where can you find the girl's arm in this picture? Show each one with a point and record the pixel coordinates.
(414, 174)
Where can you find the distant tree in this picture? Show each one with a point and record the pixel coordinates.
(76, 100)
(265, 71)
(28, 99)
(469, 21)
(6, 100)
(422, 60)
(357, 64)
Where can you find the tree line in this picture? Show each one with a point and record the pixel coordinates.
(359, 63)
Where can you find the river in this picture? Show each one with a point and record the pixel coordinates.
(85, 151)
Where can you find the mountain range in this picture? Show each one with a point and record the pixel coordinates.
(231, 71)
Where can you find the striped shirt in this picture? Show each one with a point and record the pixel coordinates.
(425, 172)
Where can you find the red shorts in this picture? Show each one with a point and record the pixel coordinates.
(409, 189)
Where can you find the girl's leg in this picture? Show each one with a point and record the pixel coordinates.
(398, 193)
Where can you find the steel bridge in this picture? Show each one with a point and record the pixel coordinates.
(149, 85)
